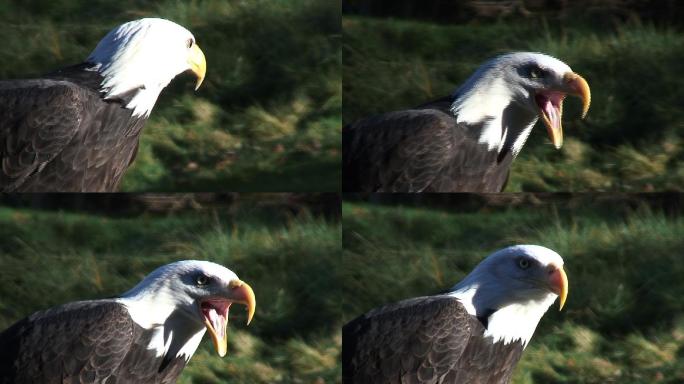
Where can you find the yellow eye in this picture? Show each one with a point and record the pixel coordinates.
(523, 263)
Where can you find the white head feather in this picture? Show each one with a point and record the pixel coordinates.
(166, 291)
(494, 86)
(163, 290)
(144, 54)
(514, 294)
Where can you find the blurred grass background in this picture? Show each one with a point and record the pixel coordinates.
(624, 318)
(267, 117)
(400, 54)
(286, 247)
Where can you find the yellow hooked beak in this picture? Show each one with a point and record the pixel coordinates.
(550, 103)
(579, 87)
(198, 64)
(558, 281)
(215, 312)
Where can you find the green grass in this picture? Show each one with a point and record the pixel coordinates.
(624, 317)
(49, 258)
(631, 139)
(267, 117)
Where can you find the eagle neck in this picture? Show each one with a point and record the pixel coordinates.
(517, 123)
(506, 323)
(174, 332)
(181, 337)
(487, 103)
(153, 301)
(116, 84)
(517, 321)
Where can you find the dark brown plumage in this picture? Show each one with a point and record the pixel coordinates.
(82, 342)
(420, 150)
(424, 340)
(58, 134)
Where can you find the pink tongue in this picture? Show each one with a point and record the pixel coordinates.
(551, 112)
(550, 103)
(217, 313)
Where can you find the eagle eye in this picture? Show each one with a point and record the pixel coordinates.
(190, 42)
(202, 280)
(535, 72)
(523, 263)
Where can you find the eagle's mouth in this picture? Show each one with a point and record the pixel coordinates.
(215, 310)
(215, 313)
(550, 103)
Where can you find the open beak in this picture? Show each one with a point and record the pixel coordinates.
(215, 312)
(198, 64)
(550, 104)
(558, 281)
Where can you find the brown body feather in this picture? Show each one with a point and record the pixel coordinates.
(83, 342)
(424, 340)
(420, 150)
(57, 134)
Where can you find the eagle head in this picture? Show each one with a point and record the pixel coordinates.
(512, 91)
(512, 288)
(202, 293)
(143, 56)
(541, 83)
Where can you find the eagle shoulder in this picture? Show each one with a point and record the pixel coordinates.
(418, 340)
(403, 151)
(75, 342)
(38, 118)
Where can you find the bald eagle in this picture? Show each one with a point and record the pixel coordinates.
(473, 333)
(467, 141)
(147, 335)
(77, 129)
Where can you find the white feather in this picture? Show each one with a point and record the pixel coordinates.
(518, 321)
(144, 54)
(157, 343)
(483, 98)
(189, 348)
(152, 302)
